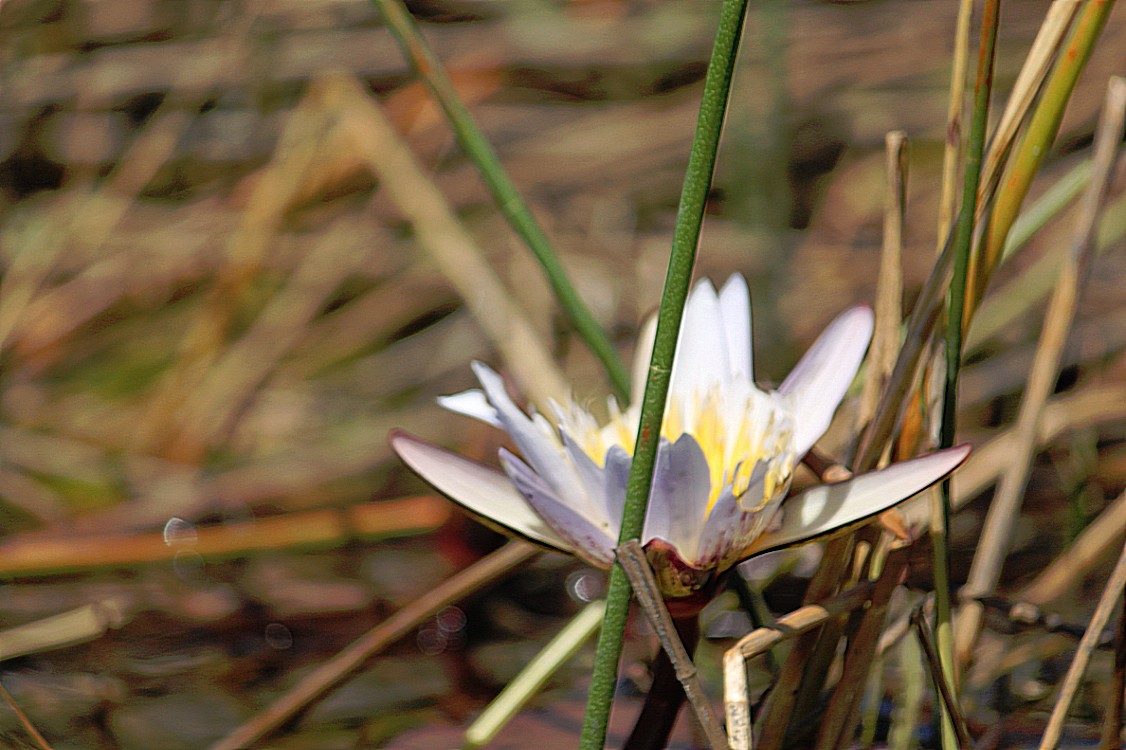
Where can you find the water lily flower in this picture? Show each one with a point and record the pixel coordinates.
(724, 463)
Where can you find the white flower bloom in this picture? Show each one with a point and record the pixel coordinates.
(724, 463)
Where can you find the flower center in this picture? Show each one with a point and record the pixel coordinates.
(737, 428)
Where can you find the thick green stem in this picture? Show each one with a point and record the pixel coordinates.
(963, 241)
(507, 197)
(690, 216)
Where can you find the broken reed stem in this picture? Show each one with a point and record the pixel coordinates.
(686, 237)
(504, 192)
(758, 641)
(339, 668)
(996, 534)
(632, 558)
(941, 681)
(889, 286)
(1110, 596)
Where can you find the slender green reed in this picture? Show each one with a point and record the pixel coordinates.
(963, 241)
(690, 215)
(504, 192)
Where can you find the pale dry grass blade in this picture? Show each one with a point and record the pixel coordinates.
(1071, 683)
(1045, 47)
(889, 288)
(994, 544)
(300, 145)
(443, 237)
(65, 629)
(1068, 570)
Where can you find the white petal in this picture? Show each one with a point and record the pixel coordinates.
(735, 307)
(701, 348)
(678, 499)
(589, 540)
(472, 403)
(830, 507)
(819, 381)
(608, 509)
(536, 443)
(483, 491)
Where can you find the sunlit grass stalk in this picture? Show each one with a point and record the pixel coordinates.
(504, 192)
(690, 215)
(1034, 146)
(983, 88)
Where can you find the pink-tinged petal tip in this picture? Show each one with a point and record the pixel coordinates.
(819, 381)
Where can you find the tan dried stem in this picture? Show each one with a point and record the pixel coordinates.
(736, 689)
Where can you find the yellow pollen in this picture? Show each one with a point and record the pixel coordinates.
(733, 438)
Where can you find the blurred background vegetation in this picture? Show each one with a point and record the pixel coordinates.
(211, 315)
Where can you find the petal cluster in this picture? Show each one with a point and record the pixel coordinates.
(724, 462)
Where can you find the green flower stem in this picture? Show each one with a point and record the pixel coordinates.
(697, 181)
(507, 197)
(983, 88)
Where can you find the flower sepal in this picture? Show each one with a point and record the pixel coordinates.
(676, 578)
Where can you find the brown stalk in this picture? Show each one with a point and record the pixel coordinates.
(864, 634)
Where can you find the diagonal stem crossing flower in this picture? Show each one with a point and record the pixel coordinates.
(724, 463)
